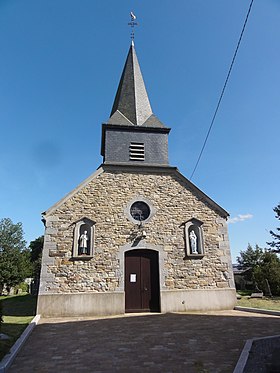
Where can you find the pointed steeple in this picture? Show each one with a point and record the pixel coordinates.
(131, 100)
(133, 135)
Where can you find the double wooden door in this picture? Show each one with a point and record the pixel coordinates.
(141, 281)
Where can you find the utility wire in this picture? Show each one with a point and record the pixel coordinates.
(223, 90)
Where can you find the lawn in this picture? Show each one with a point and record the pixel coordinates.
(264, 303)
(18, 311)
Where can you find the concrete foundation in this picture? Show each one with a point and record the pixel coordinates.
(85, 304)
(198, 300)
(98, 304)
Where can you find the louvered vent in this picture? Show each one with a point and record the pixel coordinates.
(137, 151)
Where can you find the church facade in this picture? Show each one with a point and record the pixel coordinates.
(136, 236)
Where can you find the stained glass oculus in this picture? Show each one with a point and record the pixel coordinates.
(140, 211)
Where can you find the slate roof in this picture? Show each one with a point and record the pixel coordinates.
(132, 105)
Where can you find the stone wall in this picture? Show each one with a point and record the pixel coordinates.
(104, 199)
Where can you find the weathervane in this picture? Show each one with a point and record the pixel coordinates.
(132, 23)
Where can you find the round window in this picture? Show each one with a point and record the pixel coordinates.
(140, 211)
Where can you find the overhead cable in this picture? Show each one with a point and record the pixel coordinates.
(223, 90)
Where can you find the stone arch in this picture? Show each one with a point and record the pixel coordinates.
(80, 227)
(142, 291)
(194, 225)
(143, 246)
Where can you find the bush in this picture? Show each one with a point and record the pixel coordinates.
(23, 286)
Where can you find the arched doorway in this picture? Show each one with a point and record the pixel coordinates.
(141, 281)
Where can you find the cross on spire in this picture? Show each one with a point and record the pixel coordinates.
(132, 23)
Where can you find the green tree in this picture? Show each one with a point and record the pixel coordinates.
(13, 258)
(268, 270)
(36, 247)
(11, 235)
(26, 259)
(250, 258)
(275, 244)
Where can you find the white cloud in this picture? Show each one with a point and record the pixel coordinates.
(240, 217)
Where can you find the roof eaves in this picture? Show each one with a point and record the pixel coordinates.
(204, 196)
(74, 191)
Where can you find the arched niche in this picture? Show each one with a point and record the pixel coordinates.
(194, 239)
(83, 241)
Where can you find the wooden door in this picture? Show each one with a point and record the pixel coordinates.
(141, 281)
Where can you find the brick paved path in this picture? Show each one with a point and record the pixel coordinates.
(191, 343)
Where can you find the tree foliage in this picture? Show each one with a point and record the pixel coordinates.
(36, 247)
(275, 244)
(13, 256)
(265, 267)
(250, 258)
(11, 235)
(268, 270)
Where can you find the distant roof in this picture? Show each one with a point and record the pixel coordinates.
(237, 270)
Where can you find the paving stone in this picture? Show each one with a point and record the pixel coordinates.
(166, 343)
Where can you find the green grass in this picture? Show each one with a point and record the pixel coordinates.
(264, 303)
(18, 311)
(244, 292)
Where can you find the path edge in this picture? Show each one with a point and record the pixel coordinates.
(10, 356)
(257, 310)
(243, 358)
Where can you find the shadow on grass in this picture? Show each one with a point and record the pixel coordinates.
(19, 305)
(18, 311)
(13, 331)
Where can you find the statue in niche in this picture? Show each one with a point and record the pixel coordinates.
(193, 241)
(83, 243)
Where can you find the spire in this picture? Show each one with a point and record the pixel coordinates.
(131, 99)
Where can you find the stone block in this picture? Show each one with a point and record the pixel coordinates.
(257, 295)
(221, 284)
(51, 231)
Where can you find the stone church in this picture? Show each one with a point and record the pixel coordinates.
(137, 235)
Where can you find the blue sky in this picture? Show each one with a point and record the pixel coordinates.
(60, 65)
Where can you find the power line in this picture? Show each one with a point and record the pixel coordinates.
(223, 90)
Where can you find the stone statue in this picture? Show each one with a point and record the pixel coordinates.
(193, 240)
(83, 242)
